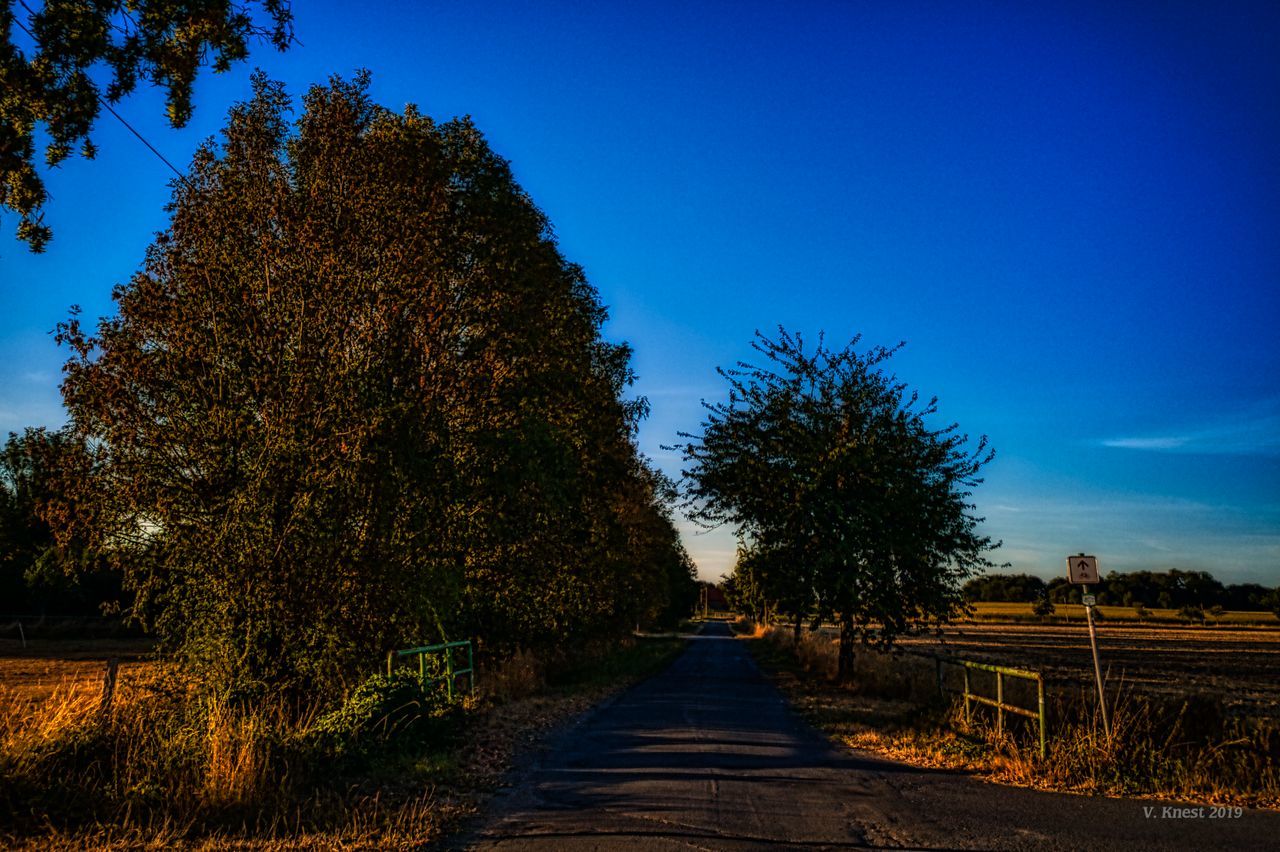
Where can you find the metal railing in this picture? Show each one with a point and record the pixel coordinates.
(446, 650)
(1002, 707)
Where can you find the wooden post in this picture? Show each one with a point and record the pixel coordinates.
(966, 695)
(109, 684)
(999, 705)
(1044, 747)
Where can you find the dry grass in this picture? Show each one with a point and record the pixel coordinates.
(170, 767)
(1189, 749)
(520, 676)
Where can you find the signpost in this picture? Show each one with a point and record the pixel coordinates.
(1083, 570)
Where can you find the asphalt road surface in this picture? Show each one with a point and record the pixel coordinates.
(708, 756)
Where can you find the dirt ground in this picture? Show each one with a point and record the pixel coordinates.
(1242, 665)
(33, 672)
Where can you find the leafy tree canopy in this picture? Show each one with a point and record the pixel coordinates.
(52, 85)
(39, 575)
(356, 399)
(850, 504)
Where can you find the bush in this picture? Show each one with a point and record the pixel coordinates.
(1191, 613)
(384, 707)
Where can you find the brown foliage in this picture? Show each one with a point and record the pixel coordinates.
(355, 400)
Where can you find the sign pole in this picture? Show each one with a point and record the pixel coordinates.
(1097, 670)
(1083, 571)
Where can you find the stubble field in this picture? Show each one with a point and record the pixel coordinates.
(1240, 666)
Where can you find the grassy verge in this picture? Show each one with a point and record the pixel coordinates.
(1186, 749)
(392, 768)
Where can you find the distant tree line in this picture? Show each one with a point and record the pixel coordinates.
(1173, 589)
(355, 399)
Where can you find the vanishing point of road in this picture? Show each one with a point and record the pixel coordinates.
(707, 755)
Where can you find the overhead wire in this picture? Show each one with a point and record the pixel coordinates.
(106, 105)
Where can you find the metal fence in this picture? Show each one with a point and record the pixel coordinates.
(446, 651)
(1002, 706)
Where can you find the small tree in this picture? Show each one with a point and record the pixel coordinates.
(1044, 606)
(824, 457)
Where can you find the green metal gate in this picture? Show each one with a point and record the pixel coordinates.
(447, 650)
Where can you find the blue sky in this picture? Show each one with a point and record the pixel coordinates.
(1069, 212)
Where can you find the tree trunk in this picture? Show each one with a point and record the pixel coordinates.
(844, 672)
(799, 623)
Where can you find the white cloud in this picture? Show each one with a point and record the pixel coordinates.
(1255, 431)
(1145, 443)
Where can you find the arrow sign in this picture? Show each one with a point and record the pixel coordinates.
(1082, 569)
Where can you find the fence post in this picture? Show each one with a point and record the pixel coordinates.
(966, 695)
(108, 684)
(448, 667)
(390, 656)
(938, 664)
(1044, 750)
(471, 668)
(999, 704)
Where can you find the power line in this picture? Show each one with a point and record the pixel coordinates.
(143, 140)
(103, 103)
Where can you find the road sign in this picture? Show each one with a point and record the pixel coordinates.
(1082, 569)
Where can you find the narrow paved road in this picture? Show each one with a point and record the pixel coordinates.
(707, 756)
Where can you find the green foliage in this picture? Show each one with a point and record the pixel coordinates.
(357, 400)
(1172, 589)
(382, 708)
(38, 574)
(161, 43)
(1012, 588)
(1191, 613)
(850, 504)
(1044, 606)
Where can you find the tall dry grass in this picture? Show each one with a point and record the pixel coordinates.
(1191, 747)
(519, 676)
(157, 748)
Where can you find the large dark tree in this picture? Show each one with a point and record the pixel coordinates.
(356, 399)
(831, 472)
(51, 84)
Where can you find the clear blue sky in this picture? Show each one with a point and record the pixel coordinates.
(1070, 211)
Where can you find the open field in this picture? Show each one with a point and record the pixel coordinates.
(1238, 665)
(30, 674)
(990, 610)
(1160, 745)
